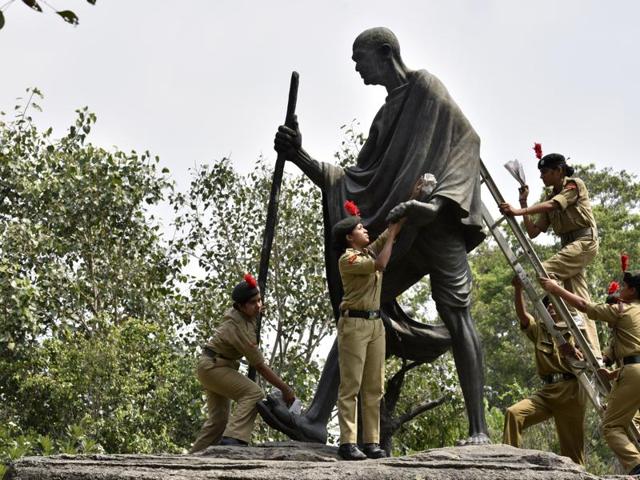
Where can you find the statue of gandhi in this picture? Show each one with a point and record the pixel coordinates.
(419, 130)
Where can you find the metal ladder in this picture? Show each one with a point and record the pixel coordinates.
(586, 371)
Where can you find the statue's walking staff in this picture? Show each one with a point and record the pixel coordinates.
(272, 211)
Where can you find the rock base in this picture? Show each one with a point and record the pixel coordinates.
(305, 461)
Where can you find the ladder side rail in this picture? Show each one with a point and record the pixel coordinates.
(542, 312)
(535, 261)
(561, 308)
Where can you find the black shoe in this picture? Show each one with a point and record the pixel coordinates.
(635, 470)
(350, 451)
(229, 441)
(373, 450)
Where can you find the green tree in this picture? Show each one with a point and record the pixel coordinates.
(67, 15)
(90, 307)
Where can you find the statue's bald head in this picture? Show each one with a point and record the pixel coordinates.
(377, 37)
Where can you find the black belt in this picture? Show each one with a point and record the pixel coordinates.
(569, 237)
(557, 377)
(370, 314)
(211, 353)
(631, 359)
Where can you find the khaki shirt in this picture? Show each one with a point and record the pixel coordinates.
(575, 209)
(236, 338)
(360, 280)
(624, 318)
(548, 358)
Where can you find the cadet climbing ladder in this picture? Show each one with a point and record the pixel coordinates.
(585, 371)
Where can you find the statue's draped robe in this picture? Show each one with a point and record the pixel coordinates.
(419, 129)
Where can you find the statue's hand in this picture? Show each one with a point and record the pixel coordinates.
(288, 140)
(399, 211)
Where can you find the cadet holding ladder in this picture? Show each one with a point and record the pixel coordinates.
(624, 400)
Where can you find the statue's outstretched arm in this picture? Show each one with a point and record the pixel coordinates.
(418, 212)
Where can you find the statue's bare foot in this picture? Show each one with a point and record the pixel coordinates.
(297, 427)
(475, 439)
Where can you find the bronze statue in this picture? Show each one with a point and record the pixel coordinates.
(419, 130)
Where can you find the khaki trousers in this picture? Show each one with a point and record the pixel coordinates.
(361, 355)
(623, 405)
(222, 382)
(565, 402)
(569, 266)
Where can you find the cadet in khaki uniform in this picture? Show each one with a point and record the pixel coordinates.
(560, 398)
(361, 334)
(609, 358)
(624, 399)
(218, 372)
(567, 210)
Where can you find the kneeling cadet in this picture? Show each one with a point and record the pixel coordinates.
(218, 373)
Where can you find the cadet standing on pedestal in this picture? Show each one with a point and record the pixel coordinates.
(361, 334)
(567, 210)
(624, 399)
(218, 372)
(560, 398)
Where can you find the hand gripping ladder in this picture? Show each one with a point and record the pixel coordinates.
(586, 372)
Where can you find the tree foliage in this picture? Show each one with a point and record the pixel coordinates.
(89, 298)
(67, 15)
(103, 310)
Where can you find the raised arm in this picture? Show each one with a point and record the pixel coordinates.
(533, 230)
(521, 311)
(385, 254)
(571, 298)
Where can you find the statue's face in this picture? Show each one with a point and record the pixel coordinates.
(369, 64)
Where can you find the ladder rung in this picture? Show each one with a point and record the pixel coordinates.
(592, 383)
(497, 223)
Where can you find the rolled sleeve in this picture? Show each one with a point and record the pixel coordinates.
(568, 196)
(253, 355)
(357, 264)
(603, 312)
(247, 346)
(532, 330)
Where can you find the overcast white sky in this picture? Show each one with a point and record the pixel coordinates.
(197, 80)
